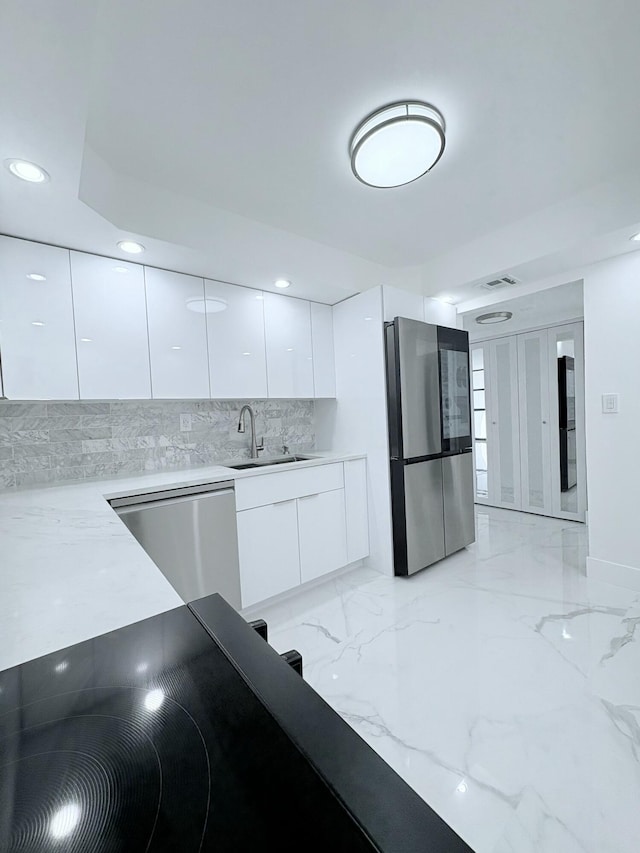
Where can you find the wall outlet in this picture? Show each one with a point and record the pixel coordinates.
(610, 404)
(185, 423)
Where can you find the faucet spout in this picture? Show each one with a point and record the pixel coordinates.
(255, 447)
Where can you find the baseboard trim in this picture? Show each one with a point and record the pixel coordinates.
(615, 573)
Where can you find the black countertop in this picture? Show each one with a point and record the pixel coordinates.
(185, 734)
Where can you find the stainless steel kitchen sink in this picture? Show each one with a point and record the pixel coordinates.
(262, 463)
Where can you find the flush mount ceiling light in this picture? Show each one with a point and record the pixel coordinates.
(494, 317)
(131, 247)
(636, 237)
(206, 306)
(36, 276)
(397, 144)
(282, 283)
(27, 171)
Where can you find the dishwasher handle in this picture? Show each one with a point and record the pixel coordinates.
(166, 496)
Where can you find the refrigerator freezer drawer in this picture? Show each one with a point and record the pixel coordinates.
(457, 485)
(419, 528)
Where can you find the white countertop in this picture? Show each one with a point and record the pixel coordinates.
(71, 570)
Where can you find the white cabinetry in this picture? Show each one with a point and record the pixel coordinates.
(289, 351)
(237, 359)
(324, 365)
(356, 510)
(36, 322)
(111, 328)
(322, 533)
(268, 551)
(177, 335)
(295, 526)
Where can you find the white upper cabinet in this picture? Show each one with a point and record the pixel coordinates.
(289, 352)
(177, 335)
(111, 328)
(324, 365)
(36, 322)
(237, 360)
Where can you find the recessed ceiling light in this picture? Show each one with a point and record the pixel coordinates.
(289, 349)
(282, 283)
(397, 144)
(37, 323)
(246, 353)
(636, 237)
(131, 247)
(86, 340)
(120, 269)
(206, 306)
(494, 317)
(36, 276)
(260, 296)
(176, 347)
(27, 171)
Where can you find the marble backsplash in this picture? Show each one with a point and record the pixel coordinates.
(57, 441)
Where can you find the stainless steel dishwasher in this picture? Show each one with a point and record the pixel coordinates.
(191, 535)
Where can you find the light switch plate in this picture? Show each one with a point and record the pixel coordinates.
(610, 404)
(185, 423)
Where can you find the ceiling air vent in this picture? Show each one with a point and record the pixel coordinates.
(498, 283)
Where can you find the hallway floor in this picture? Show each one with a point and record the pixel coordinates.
(501, 684)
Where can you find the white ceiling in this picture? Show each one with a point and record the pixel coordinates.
(218, 133)
(533, 311)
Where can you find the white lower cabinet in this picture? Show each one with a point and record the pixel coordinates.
(322, 534)
(356, 509)
(268, 551)
(295, 526)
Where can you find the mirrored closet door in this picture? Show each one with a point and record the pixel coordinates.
(529, 422)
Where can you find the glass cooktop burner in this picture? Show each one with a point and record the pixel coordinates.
(147, 739)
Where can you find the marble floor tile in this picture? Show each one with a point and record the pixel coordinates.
(501, 684)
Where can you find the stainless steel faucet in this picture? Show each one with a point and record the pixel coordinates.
(255, 448)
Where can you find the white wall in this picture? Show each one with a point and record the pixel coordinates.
(440, 313)
(404, 303)
(612, 364)
(357, 419)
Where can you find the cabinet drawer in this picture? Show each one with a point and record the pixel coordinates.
(273, 487)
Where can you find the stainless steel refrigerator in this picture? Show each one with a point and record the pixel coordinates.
(429, 406)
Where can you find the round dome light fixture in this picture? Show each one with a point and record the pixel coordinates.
(282, 283)
(636, 237)
(27, 171)
(397, 144)
(36, 276)
(494, 317)
(206, 306)
(131, 247)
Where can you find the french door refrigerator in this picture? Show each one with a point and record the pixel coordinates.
(429, 408)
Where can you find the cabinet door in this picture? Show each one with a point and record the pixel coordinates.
(357, 512)
(288, 337)
(177, 335)
(237, 359)
(111, 328)
(503, 424)
(37, 341)
(268, 551)
(324, 368)
(322, 531)
(535, 458)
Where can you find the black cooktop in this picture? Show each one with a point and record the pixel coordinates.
(171, 736)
